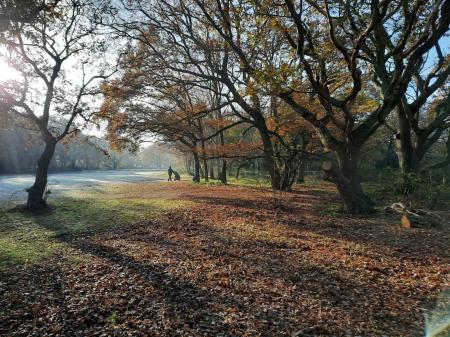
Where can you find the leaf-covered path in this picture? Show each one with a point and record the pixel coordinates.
(233, 261)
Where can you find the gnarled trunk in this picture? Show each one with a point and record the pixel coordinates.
(345, 177)
(36, 193)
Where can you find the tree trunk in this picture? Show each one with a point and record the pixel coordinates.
(301, 172)
(202, 173)
(188, 165)
(409, 155)
(409, 159)
(196, 177)
(403, 142)
(269, 157)
(345, 177)
(211, 170)
(291, 171)
(36, 193)
(238, 170)
(223, 172)
(288, 176)
(205, 163)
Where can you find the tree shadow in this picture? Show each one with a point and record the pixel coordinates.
(202, 280)
(328, 290)
(387, 237)
(301, 211)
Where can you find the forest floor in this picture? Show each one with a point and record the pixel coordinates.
(176, 259)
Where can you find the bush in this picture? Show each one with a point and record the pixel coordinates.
(420, 191)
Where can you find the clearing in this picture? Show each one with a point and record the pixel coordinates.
(12, 187)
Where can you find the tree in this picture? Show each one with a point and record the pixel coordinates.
(339, 49)
(143, 102)
(422, 123)
(46, 52)
(325, 59)
(22, 11)
(198, 51)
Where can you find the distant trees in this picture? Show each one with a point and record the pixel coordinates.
(57, 56)
(157, 156)
(20, 149)
(142, 103)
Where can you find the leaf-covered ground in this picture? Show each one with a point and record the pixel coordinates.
(185, 260)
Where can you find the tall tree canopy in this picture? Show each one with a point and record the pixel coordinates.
(342, 66)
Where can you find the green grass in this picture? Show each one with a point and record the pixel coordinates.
(249, 181)
(27, 238)
(23, 242)
(334, 210)
(244, 181)
(73, 216)
(252, 180)
(112, 318)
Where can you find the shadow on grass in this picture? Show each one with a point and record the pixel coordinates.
(28, 237)
(209, 281)
(378, 232)
(201, 305)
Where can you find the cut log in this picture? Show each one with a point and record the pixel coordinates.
(415, 218)
(406, 223)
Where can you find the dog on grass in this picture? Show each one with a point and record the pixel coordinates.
(176, 176)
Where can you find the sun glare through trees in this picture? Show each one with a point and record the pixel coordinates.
(7, 73)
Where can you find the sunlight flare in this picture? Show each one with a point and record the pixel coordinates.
(7, 73)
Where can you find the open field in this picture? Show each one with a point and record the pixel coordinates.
(12, 187)
(177, 259)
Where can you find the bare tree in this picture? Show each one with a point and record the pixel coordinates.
(56, 55)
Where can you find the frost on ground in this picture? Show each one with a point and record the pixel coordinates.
(12, 187)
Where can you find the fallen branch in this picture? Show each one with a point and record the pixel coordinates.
(415, 218)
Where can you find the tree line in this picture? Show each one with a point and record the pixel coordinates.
(20, 149)
(235, 81)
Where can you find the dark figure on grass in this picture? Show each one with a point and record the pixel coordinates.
(170, 172)
(176, 175)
